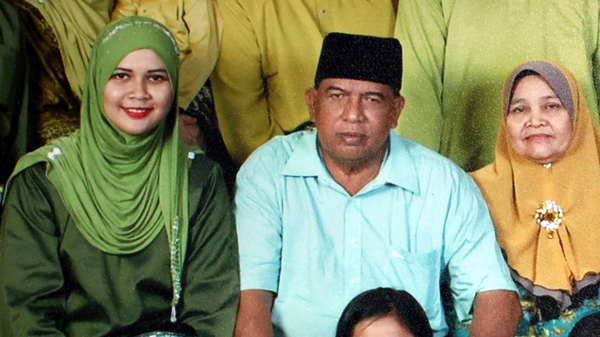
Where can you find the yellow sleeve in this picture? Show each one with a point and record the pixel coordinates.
(122, 9)
(202, 20)
(239, 86)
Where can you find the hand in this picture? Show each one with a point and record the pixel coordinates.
(189, 131)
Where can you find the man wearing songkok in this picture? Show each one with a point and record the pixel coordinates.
(269, 55)
(323, 215)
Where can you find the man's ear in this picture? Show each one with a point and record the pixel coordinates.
(397, 110)
(311, 100)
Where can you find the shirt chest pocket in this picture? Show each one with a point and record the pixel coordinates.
(417, 273)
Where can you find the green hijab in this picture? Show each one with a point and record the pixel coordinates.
(121, 189)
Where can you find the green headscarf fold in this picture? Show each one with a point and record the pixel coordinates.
(121, 189)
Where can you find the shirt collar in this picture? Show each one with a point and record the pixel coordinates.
(398, 167)
(305, 160)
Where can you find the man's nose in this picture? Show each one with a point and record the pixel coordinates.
(354, 110)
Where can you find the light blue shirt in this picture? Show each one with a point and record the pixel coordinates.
(302, 236)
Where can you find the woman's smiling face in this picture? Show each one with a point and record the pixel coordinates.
(138, 94)
(539, 126)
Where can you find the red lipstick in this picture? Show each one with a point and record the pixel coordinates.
(137, 113)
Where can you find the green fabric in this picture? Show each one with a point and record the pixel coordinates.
(54, 283)
(457, 54)
(108, 179)
(10, 51)
(14, 90)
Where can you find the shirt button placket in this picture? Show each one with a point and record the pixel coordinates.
(352, 248)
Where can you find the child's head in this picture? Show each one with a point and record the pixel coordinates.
(384, 312)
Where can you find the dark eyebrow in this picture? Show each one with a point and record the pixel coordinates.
(374, 93)
(551, 97)
(368, 93)
(159, 70)
(333, 87)
(544, 98)
(515, 101)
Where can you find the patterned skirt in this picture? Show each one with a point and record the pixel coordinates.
(532, 326)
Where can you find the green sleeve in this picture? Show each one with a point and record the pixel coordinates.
(421, 28)
(211, 283)
(31, 276)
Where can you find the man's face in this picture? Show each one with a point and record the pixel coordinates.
(353, 118)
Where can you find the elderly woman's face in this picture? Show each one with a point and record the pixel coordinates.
(138, 94)
(539, 125)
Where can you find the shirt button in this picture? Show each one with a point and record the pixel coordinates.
(353, 242)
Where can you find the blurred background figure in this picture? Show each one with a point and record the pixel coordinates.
(60, 35)
(457, 54)
(15, 135)
(269, 56)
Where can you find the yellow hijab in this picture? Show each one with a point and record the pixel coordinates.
(514, 187)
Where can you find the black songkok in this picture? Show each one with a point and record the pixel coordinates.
(361, 57)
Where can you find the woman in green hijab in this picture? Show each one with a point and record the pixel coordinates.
(119, 226)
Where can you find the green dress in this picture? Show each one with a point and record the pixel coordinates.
(457, 54)
(53, 282)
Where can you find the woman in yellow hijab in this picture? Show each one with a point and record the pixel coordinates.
(543, 190)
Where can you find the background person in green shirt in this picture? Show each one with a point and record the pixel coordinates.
(457, 54)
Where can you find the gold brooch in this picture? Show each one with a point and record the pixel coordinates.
(549, 216)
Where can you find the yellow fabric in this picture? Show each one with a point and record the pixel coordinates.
(269, 56)
(197, 30)
(75, 25)
(514, 186)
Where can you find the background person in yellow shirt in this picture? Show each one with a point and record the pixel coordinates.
(268, 57)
